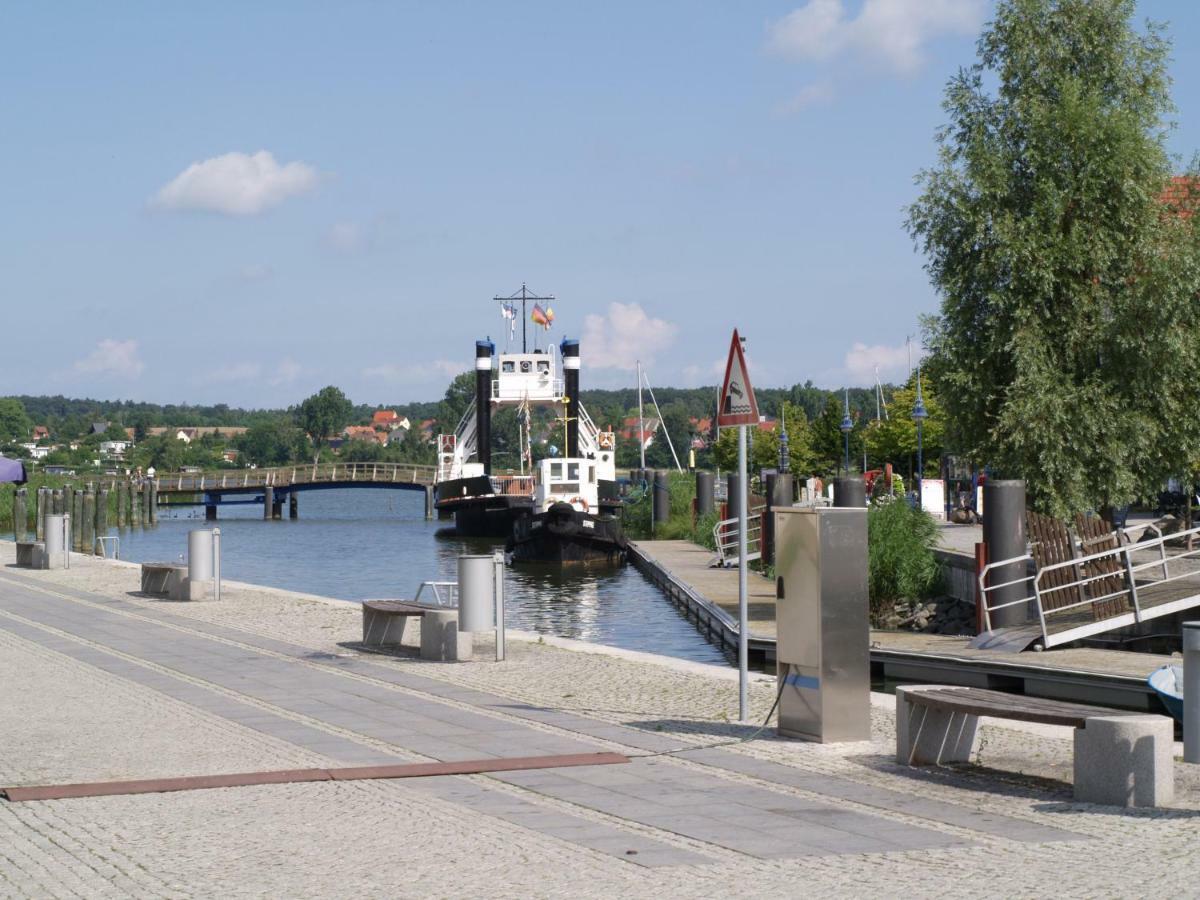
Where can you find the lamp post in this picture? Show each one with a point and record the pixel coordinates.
(847, 426)
(784, 459)
(919, 415)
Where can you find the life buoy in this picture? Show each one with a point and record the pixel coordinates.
(581, 502)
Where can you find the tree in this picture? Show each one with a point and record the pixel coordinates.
(272, 443)
(323, 414)
(894, 439)
(763, 445)
(1067, 349)
(828, 441)
(460, 396)
(14, 423)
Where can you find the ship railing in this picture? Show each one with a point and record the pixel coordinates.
(442, 594)
(513, 485)
(550, 389)
(725, 538)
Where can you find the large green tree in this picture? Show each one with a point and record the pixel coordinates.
(1067, 350)
(14, 423)
(894, 439)
(324, 414)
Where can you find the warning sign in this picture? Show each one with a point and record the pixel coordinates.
(738, 406)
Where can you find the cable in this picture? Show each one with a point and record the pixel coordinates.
(751, 736)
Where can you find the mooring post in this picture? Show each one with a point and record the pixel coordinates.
(850, 492)
(135, 506)
(122, 500)
(87, 525)
(268, 501)
(20, 514)
(662, 497)
(39, 527)
(102, 513)
(293, 504)
(147, 498)
(152, 487)
(704, 493)
(428, 502)
(1004, 534)
(68, 503)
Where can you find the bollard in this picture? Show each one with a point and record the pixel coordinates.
(199, 565)
(87, 522)
(58, 541)
(68, 502)
(1004, 534)
(733, 496)
(216, 533)
(662, 497)
(780, 495)
(705, 494)
(20, 514)
(476, 593)
(152, 488)
(850, 492)
(76, 518)
(135, 506)
(268, 501)
(1191, 692)
(43, 499)
(146, 500)
(102, 513)
(498, 578)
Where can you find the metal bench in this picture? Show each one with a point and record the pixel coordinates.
(1121, 759)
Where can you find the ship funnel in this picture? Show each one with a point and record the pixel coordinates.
(570, 357)
(483, 403)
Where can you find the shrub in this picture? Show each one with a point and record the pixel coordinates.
(901, 562)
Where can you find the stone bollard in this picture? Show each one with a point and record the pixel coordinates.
(20, 514)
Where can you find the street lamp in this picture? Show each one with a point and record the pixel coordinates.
(784, 460)
(919, 415)
(847, 426)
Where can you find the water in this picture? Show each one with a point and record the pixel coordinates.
(375, 543)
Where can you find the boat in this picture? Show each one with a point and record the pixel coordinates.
(568, 527)
(486, 503)
(1167, 682)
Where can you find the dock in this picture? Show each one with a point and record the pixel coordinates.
(708, 597)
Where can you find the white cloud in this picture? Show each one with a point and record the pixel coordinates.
(623, 336)
(236, 184)
(112, 357)
(891, 32)
(416, 372)
(861, 360)
(286, 372)
(810, 95)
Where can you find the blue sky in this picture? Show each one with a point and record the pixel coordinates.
(244, 202)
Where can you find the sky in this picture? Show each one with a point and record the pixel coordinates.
(243, 202)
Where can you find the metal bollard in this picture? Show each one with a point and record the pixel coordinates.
(216, 546)
(498, 565)
(1191, 692)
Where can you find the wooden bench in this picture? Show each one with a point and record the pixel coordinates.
(384, 621)
(31, 554)
(1121, 758)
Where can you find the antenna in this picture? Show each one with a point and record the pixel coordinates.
(524, 294)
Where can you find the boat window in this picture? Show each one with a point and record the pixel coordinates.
(569, 487)
(543, 366)
(556, 470)
(526, 366)
(508, 366)
(573, 471)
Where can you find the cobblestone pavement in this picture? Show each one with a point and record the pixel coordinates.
(97, 683)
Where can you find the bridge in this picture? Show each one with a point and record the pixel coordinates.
(273, 486)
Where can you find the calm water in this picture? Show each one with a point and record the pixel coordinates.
(373, 543)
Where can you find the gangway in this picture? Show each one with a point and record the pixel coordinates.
(725, 538)
(1133, 582)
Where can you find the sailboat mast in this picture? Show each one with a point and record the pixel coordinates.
(641, 417)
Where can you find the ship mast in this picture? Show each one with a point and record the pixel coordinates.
(525, 295)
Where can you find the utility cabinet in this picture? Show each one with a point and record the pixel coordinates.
(822, 620)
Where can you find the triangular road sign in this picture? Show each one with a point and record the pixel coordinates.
(738, 406)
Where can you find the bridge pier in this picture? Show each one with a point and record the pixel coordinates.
(428, 502)
(210, 512)
(268, 501)
(293, 504)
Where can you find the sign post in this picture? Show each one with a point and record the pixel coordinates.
(739, 409)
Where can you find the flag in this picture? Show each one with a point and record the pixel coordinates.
(541, 316)
(509, 311)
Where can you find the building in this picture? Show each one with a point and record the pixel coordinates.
(390, 420)
(40, 432)
(98, 428)
(36, 452)
(365, 433)
(189, 433)
(114, 449)
(629, 430)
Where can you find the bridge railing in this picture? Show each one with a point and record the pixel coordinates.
(284, 476)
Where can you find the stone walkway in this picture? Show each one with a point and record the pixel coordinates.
(103, 684)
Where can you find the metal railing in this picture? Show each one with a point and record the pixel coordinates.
(725, 537)
(1094, 568)
(450, 601)
(285, 476)
(102, 542)
(512, 485)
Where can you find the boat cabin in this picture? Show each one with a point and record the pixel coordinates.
(570, 481)
(532, 376)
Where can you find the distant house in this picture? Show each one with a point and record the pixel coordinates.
(114, 449)
(701, 432)
(1183, 193)
(189, 433)
(130, 432)
(229, 454)
(58, 470)
(36, 452)
(40, 432)
(426, 428)
(365, 433)
(390, 420)
(630, 430)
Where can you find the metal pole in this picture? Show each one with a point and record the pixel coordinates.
(1191, 692)
(641, 417)
(216, 549)
(498, 559)
(920, 464)
(743, 612)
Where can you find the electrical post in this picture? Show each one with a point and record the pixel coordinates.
(738, 408)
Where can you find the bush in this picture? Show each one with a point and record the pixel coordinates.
(636, 520)
(901, 563)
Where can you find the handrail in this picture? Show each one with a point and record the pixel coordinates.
(450, 602)
(725, 536)
(284, 476)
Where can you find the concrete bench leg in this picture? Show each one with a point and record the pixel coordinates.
(441, 640)
(1125, 761)
(386, 630)
(930, 737)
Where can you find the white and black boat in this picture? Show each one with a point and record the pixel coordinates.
(486, 503)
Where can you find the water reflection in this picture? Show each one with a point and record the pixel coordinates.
(364, 543)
